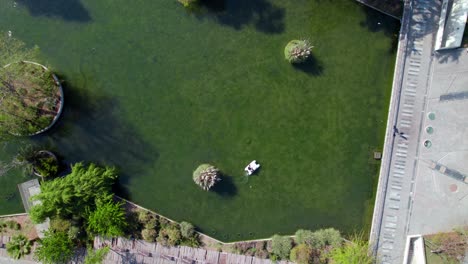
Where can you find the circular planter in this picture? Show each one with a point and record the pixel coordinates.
(60, 102)
(44, 154)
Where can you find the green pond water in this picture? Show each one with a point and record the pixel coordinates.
(155, 90)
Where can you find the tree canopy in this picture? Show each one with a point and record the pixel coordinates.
(73, 194)
(108, 219)
(55, 247)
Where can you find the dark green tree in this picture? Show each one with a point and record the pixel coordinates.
(55, 247)
(73, 194)
(108, 219)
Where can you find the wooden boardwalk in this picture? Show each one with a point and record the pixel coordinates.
(142, 252)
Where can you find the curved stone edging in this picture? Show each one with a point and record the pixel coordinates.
(62, 101)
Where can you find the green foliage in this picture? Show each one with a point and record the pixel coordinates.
(72, 194)
(353, 252)
(206, 176)
(144, 216)
(60, 224)
(28, 98)
(13, 225)
(13, 50)
(46, 166)
(281, 246)
(320, 238)
(188, 3)
(96, 256)
(297, 51)
(18, 246)
(187, 230)
(55, 247)
(74, 232)
(329, 237)
(149, 234)
(108, 219)
(301, 254)
(152, 223)
(169, 236)
(306, 237)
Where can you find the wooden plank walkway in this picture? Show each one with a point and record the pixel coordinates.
(142, 252)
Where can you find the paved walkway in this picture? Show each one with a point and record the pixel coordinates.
(440, 200)
(27, 190)
(411, 80)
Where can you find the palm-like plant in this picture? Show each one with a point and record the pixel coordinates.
(18, 246)
(297, 51)
(206, 176)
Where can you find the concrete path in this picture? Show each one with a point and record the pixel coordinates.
(411, 80)
(27, 190)
(441, 185)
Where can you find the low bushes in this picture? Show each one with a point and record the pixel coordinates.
(154, 228)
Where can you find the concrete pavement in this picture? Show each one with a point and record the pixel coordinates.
(399, 164)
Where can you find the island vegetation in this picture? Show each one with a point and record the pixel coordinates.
(297, 51)
(206, 176)
(30, 96)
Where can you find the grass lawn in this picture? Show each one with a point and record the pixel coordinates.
(156, 90)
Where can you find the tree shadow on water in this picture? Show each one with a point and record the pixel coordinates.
(71, 10)
(225, 187)
(263, 15)
(311, 66)
(92, 130)
(376, 21)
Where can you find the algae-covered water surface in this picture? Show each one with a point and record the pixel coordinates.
(155, 90)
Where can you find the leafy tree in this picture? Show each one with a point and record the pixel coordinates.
(96, 256)
(354, 252)
(18, 246)
(206, 176)
(281, 246)
(108, 219)
(301, 254)
(187, 230)
(72, 194)
(55, 247)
